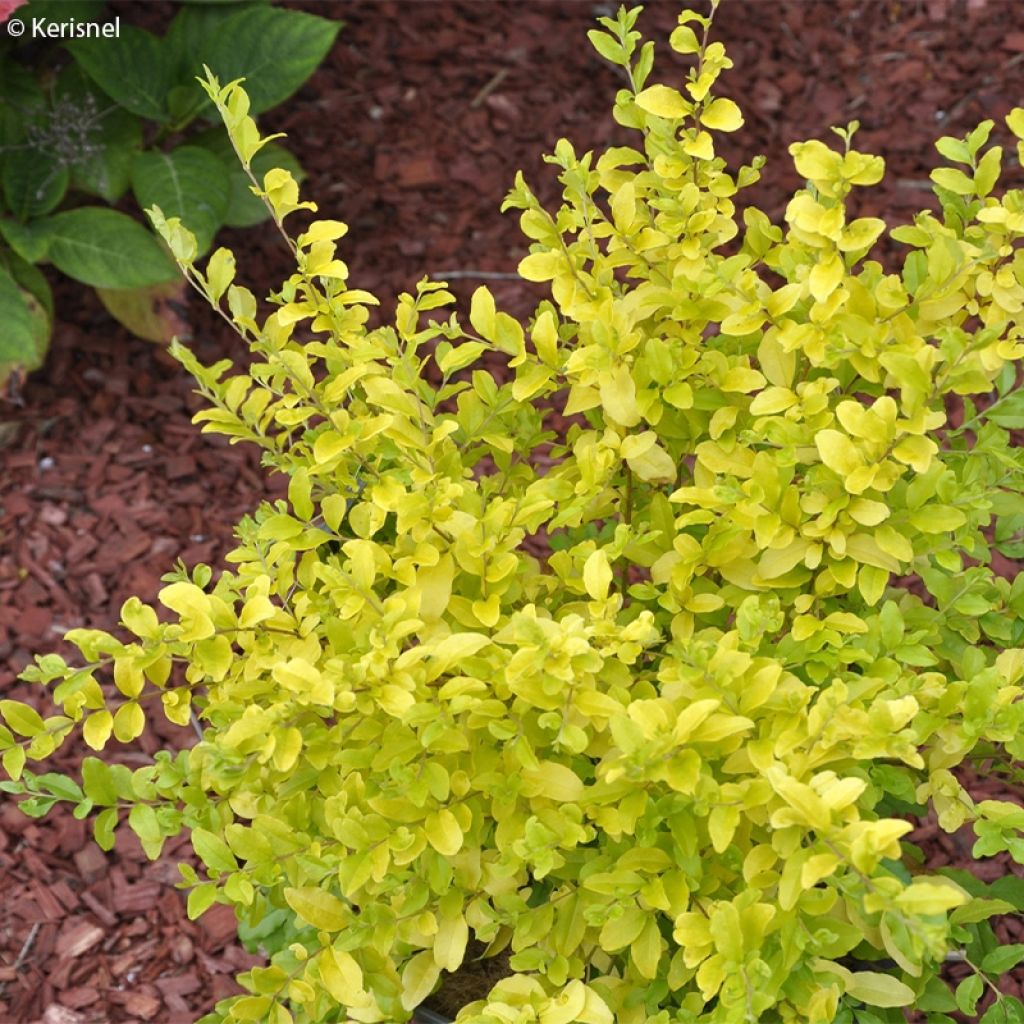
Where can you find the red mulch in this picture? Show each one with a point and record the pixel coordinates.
(411, 132)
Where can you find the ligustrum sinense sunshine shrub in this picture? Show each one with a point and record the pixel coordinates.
(668, 767)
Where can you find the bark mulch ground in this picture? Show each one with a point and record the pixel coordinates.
(411, 132)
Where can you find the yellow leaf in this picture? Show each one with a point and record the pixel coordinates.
(618, 396)
(662, 101)
(937, 519)
(287, 748)
(815, 161)
(482, 313)
(646, 950)
(566, 1006)
(837, 451)
(540, 266)
(450, 942)
(342, 976)
(623, 205)
(554, 781)
(129, 721)
(443, 833)
(826, 276)
(97, 729)
(742, 379)
(772, 400)
(418, 979)
(655, 466)
(867, 512)
(597, 575)
(545, 338)
(256, 610)
(722, 115)
(931, 897)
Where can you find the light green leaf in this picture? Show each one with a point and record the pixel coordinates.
(879, 989)
(213, 851)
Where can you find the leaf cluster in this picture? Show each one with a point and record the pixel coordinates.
(669, 767)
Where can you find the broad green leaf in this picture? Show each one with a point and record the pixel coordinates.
(135, 69)
(153, 312)
(107, 249)
(30, 241)
(33, 183)
(273, 49)
(103, 167)
(189, 183)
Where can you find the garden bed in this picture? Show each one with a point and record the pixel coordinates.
(411, 133)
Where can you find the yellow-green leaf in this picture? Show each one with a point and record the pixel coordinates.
(597, 575)
(418, 979)
(878, 989)
(319, 908)
(663, 102)
(722, 115)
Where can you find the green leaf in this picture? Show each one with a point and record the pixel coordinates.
(143, 822)
(136, 70)
(1004, 959)
(607, 46)
(1005, 1010)
(60, 786)
(30, 241)
(213, 851)
(29, 279)
(189, 183)
(26, 332)
(98, 782)
(107, 249)
(200, 899)
(103, 828)
(34, 184)
(274, 50)
(151, 312)
(968, 992)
